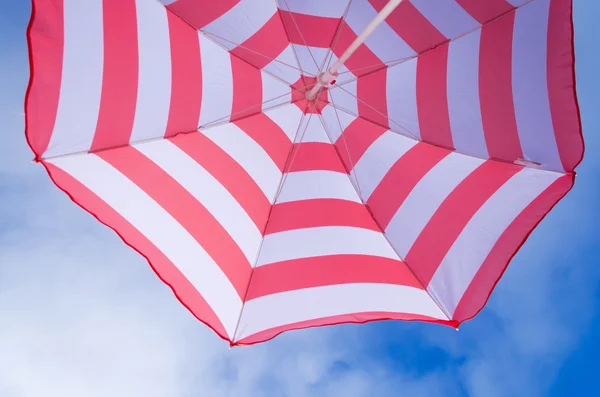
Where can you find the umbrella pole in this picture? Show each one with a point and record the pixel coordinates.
(328, 76)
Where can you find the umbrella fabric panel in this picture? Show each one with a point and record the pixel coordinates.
(488, 274)
(132, 71)
(503, 91)
(201, 200)
(323, 255)
(447, 214)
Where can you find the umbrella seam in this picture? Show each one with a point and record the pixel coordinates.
(207, 126)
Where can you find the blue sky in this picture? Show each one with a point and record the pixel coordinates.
(83, 315)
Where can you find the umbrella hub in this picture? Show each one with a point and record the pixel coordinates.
(300, 90)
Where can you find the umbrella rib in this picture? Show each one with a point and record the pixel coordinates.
(216, 123)
(291, 156)
(207, 35)
(287, 32)
(224, 118)
(412, 135)
(341, 109)
(358, 191)
(213, 37)
(398, 61)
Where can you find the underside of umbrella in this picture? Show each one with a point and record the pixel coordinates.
(400, 190)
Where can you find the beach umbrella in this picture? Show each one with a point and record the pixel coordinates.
(285, 164)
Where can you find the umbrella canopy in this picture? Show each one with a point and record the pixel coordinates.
(399, 190)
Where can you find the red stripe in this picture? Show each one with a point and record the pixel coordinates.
(370, 89)
(200, 13)
(186, 209)
(561, 84)
(310, 156)
(351, 318)
(484, 11)
(319, 212)
(310, 30)
(45, 36)
(432, 97)
(319, 271)
(357, 137)
(264, 131)
(247, 89)
(452, 216)
(495, 90)
(119, 77)
(363, 60)
(401, 180)
(186, 77)
(506, 247)
(264, 45)
(229, 173)
(411, 25)
(162, 266)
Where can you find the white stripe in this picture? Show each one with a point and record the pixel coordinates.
(290, 307)
(329, 8)
(311, 59)
(217, 82)
(274, 92)
(384, 42)
(249, 154)
(306, 185)
(287, 118)
(479, 236)
(157, 225)
(154, 84)
(447, 16)
(379, 158)
(464, 107)
(530, 85)
(242, 21)
(426, 197)
(401, 96)
(81, 83)
(314, 131)
(322, 241)
(285, 66)
(208, 191)
(336, 122)
(344, 97)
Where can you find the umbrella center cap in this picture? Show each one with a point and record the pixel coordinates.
(300, 90)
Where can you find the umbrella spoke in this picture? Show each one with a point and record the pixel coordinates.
(212, 37)
(410, 134)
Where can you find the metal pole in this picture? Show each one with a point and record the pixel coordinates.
(330, 74)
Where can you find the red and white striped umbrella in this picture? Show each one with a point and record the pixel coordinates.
(284, 164)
